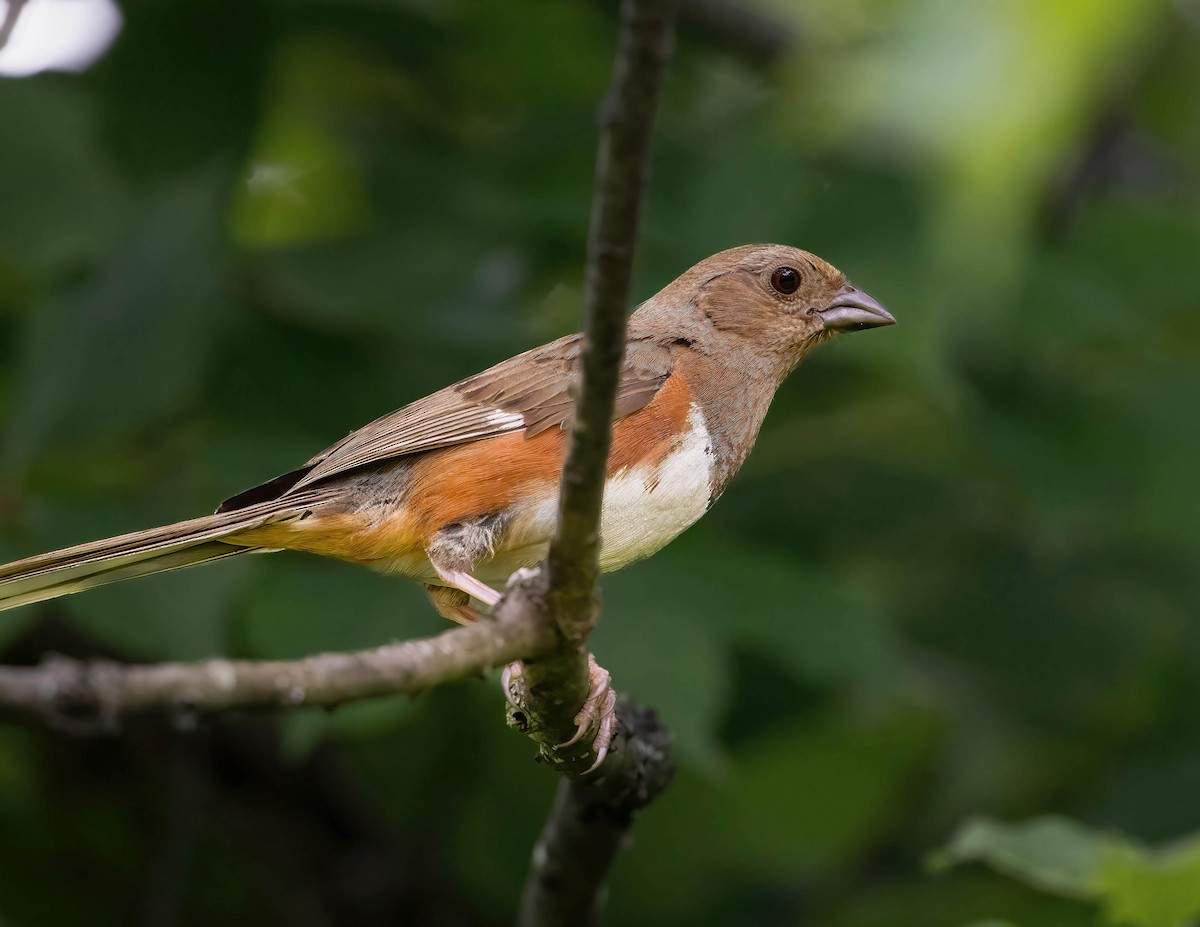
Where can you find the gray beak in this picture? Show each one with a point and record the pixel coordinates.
(853, 310)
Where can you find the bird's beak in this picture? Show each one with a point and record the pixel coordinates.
(853, 310)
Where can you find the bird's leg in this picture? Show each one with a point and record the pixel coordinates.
(464, 581)
(453, 604)
(455, 550)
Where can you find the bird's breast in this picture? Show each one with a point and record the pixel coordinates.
(647, 504)
(647, 508)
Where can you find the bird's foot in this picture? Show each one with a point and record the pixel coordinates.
(597, 715)
(599, 712)
(508, 676)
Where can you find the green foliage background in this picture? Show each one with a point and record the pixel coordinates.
(951, 601)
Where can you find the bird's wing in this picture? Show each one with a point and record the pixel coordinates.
(531, 392)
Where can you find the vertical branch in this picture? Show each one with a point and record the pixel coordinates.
(589, 822)
(622, 163)
(556, 684)
(592, 814)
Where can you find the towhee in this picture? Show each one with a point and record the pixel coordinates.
(460, 489)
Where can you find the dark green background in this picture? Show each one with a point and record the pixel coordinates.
(958, 576)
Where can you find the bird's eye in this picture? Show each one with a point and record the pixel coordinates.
(785, 280)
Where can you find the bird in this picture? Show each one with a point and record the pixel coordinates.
(459, 490)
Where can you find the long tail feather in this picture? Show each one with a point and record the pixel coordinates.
(162, 563)
(156, 550)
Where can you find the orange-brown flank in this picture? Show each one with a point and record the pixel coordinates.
(469, 480)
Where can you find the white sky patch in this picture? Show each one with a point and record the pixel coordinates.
(58, 35)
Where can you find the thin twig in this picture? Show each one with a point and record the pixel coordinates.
(591, 814)
(553, 688)
(95, 693)
(11, 15)
(622, 164)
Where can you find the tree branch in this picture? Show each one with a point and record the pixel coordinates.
(591, 814)
(556, 686)
(11, 16)
(90, 694)
(622, 162)
(589, 821)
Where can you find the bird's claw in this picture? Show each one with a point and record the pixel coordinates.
(598, 711)
(507, 675)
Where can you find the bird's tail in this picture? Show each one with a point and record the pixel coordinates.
(142, 553)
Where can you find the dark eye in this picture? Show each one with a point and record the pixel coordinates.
(786, 280)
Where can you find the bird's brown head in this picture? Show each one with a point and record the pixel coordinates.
(781, 299)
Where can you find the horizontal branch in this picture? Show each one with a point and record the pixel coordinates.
(95, 693)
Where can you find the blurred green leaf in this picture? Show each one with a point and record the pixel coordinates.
(177, 616)
(165, 109)
(302, 182)
(1150, 888)
(301, 731)
(1053, 853)
(19, 798)
(674, 664)
(1136, 886)
(825, 629)
(129, 347)
(59, 199)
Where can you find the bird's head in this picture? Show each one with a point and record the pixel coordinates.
(780, 299)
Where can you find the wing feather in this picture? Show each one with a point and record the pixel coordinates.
(531, 392)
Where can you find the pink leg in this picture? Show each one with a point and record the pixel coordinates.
(469, 584)
(453, 604)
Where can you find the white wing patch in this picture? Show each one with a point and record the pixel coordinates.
(506, 419)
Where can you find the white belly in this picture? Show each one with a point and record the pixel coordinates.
(644, 509)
